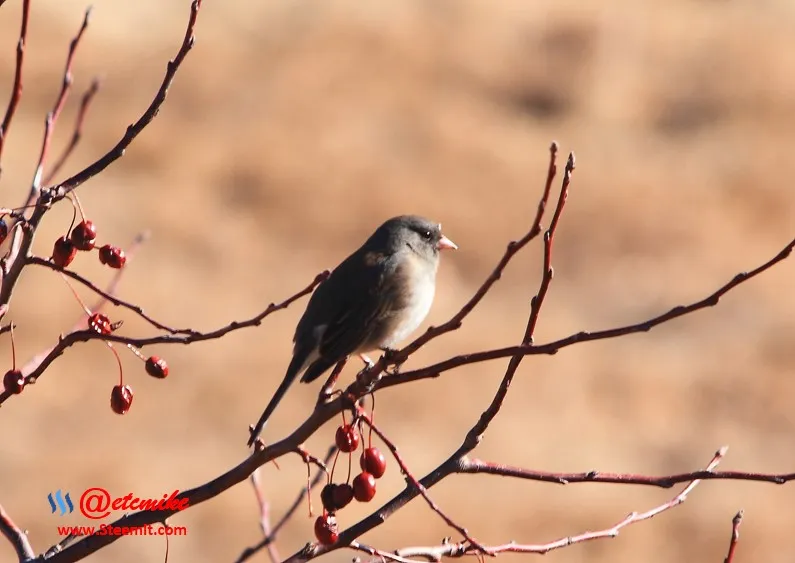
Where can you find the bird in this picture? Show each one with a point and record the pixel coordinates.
(371, 301)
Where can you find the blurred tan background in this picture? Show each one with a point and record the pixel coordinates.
(295, 127)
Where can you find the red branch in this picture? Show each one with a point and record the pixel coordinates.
(85, 103)
(60, 190)
(305, 492)
(735, 537)
(52, 117)
(415, 482)
(264, 517)
(16, 90)
(471, 465)
(435, 553)
(108, 296)
(553, 347)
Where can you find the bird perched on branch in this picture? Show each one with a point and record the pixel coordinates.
(374, 299)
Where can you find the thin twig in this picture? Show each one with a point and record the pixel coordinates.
(60, 190)
(735, 537)
(85, 103)
(16, 89)
(52, 117)
(472, 466)
(475, 433)
(108, 296)
(452, 550)
(270, 538)
(553, 347)
(264, 516)
(415, 482)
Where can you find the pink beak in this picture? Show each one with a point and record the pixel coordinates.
(446, 244)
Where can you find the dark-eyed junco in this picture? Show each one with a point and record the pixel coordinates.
(374, 299)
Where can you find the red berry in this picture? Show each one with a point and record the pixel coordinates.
(83, 235)
(100, 323)
(342, 495)
(63, 252)
(347, 438)
(121, 398)
(113, 256)
(156, 367)
(373, 462)
(326, 529)
(364, 487)
(3, 230)
(14, 381)
(327, 497)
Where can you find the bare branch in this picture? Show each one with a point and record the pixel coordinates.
(108, 296)
(60, 190)
(264, 516)
(85, 103)
(271, 537)
(475, 433)
(17, 537)
(460, 549)
(16, 89)
(469, 465)
(553, 347)
(422, 490)
(52, 117)
(735, 537)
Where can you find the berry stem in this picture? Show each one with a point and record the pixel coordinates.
(13, 350)
(333, 466)
(85, 308)
(372, 418)
(79, 207)
(309, 487)
(118, 361)
(70, 197)
(350, 458)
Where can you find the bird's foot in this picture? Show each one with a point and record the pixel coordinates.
(327, 395)
(390, 357)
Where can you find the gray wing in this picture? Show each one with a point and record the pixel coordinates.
(343, 309)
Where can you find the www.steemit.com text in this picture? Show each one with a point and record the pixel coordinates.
(109, 530)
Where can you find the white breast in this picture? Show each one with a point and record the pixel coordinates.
(419, 305)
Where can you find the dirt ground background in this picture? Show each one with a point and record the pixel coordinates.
(295, 127)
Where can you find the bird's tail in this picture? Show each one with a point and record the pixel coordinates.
(292, 372)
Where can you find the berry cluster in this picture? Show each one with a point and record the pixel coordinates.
(83, 237)
(336, 496)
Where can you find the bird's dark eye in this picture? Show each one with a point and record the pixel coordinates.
(426, 235)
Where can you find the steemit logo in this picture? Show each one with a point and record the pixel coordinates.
(59, 498)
